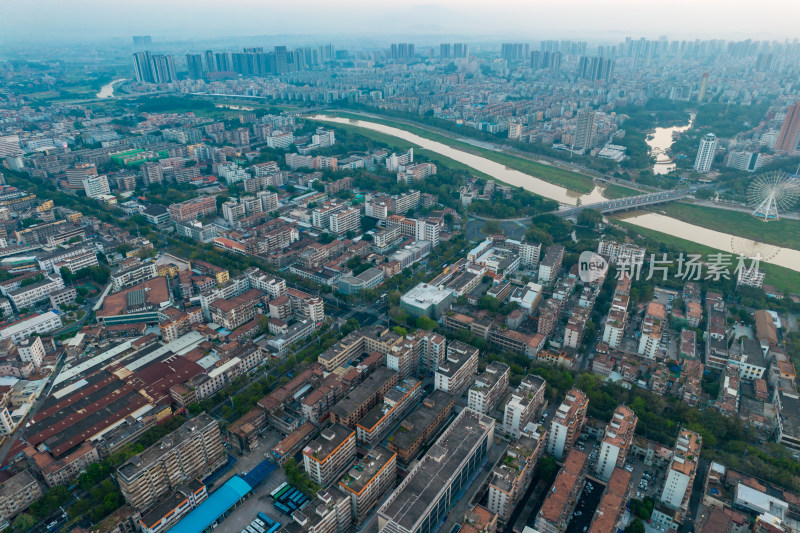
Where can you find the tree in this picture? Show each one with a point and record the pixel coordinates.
(426, 323)
(350, 326)
(326, 238)
(590, 218)
(637, 526)
(24, 522)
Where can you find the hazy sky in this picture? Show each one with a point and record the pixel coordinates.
(23, 21)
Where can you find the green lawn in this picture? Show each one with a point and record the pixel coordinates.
(614, 191)
(565, 178)
(782, 278)
(784, 233)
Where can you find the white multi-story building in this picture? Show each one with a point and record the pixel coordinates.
(344, 221)
(512, 476)
(427, 231)
(628, 254)
(278, 139)
(489, 388)
(529, 254)
(705, 153)
(269, 201)
(44, 323)
(456, 371)
(133, 276)
(27, 296)
(32, 350)
(752, 277)
(567, 423)
(232, 173)
(327, 456)
(78, 262)
(682, 470)
(96, 186)
(522, 406)
(232, 211)
(617, 442)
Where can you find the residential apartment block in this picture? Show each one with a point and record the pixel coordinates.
(489, 388)
(567, 423)
(616, 442)
(523, 405)
(194, 450)
(329, 454)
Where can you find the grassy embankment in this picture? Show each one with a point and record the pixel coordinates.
(782, 278)
(785, 233)
(565, 178)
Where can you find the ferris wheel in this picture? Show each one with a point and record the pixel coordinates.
(773, 194)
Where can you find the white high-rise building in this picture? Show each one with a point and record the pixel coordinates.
(705, 153)
(95, 186)
(567, 423)
(617, 442)
(682, 470)
(584, 130)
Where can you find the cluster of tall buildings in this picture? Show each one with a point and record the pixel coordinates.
(401, 51)
(595, 68)
(453, 51)
(255, 61)
(154, 68)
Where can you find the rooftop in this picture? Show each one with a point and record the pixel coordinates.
(413, 427)
(140, 462)
(424, 295)
(421, 488)
(362, 473)
(356, 398)
(328, 441)
(566, 481)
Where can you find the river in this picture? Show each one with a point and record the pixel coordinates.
(660, 141)
(107, 90)
(785, 257)
(496, 170)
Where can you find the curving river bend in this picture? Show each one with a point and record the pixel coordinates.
(785, 257)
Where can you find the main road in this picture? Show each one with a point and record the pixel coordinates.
(726, 242)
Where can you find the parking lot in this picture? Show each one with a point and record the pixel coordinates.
(259, 499)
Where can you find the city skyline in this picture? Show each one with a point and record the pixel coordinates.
(203, 20)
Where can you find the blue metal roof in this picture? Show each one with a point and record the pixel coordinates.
(260, 472)
(214, 507)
